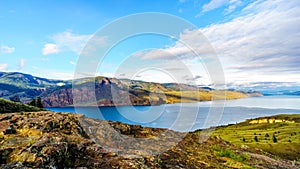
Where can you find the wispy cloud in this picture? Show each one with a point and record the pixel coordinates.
(179, 50)
(230, 5)
(261, 44)
(279, 86)
(22, 64)
(72, 63)
(68, 41)
(3, 66)
(266, 38)
(233, 4)
(213, 4)
(6, 49)
(50, 48)
(57, 75)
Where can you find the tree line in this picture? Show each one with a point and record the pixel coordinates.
(36, 102)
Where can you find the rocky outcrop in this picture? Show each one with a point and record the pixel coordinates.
(102, 93)
(62, 140)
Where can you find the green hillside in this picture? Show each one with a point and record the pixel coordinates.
(26, 81)
(10, 107)
(278, 135)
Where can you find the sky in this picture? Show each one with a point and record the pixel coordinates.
(256, 42)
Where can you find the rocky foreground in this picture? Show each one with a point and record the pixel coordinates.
(62, 140)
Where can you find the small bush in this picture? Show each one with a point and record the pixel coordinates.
(231, 154)
(274, 139)
(256, 139)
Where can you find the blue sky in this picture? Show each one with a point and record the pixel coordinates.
(256, 41)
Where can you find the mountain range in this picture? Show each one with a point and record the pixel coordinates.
(104, 91)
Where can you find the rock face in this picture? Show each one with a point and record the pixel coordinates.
(61, 140)
(103, 92)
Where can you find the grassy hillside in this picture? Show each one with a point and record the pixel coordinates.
(278, 135)
(26, 81)
(9, 107)
(24, 86)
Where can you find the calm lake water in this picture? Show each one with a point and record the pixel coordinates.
(192, 116)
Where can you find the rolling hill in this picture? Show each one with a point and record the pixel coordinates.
(24, 86)
(10, 107)
(103, 91)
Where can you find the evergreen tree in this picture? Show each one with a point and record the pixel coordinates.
(256, 139)
(32, 103)
(39, 103)
(274, 138)
(15, 98)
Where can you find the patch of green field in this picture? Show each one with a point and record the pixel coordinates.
(281, 139)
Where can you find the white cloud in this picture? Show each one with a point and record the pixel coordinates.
(57, 75)
(70, 41)
(260, 45)
(193, 38)
(22, 63)
(72, 63)
(167, 53)
(3, 66)
(231, 5)
(7, 49)
(213, 4)
(50, 48)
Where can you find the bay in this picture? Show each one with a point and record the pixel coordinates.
(193, 116)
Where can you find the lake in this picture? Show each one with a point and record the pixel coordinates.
(192, 116)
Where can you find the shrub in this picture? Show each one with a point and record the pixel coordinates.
(274, 138)
(231, 154)
(256, 139)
